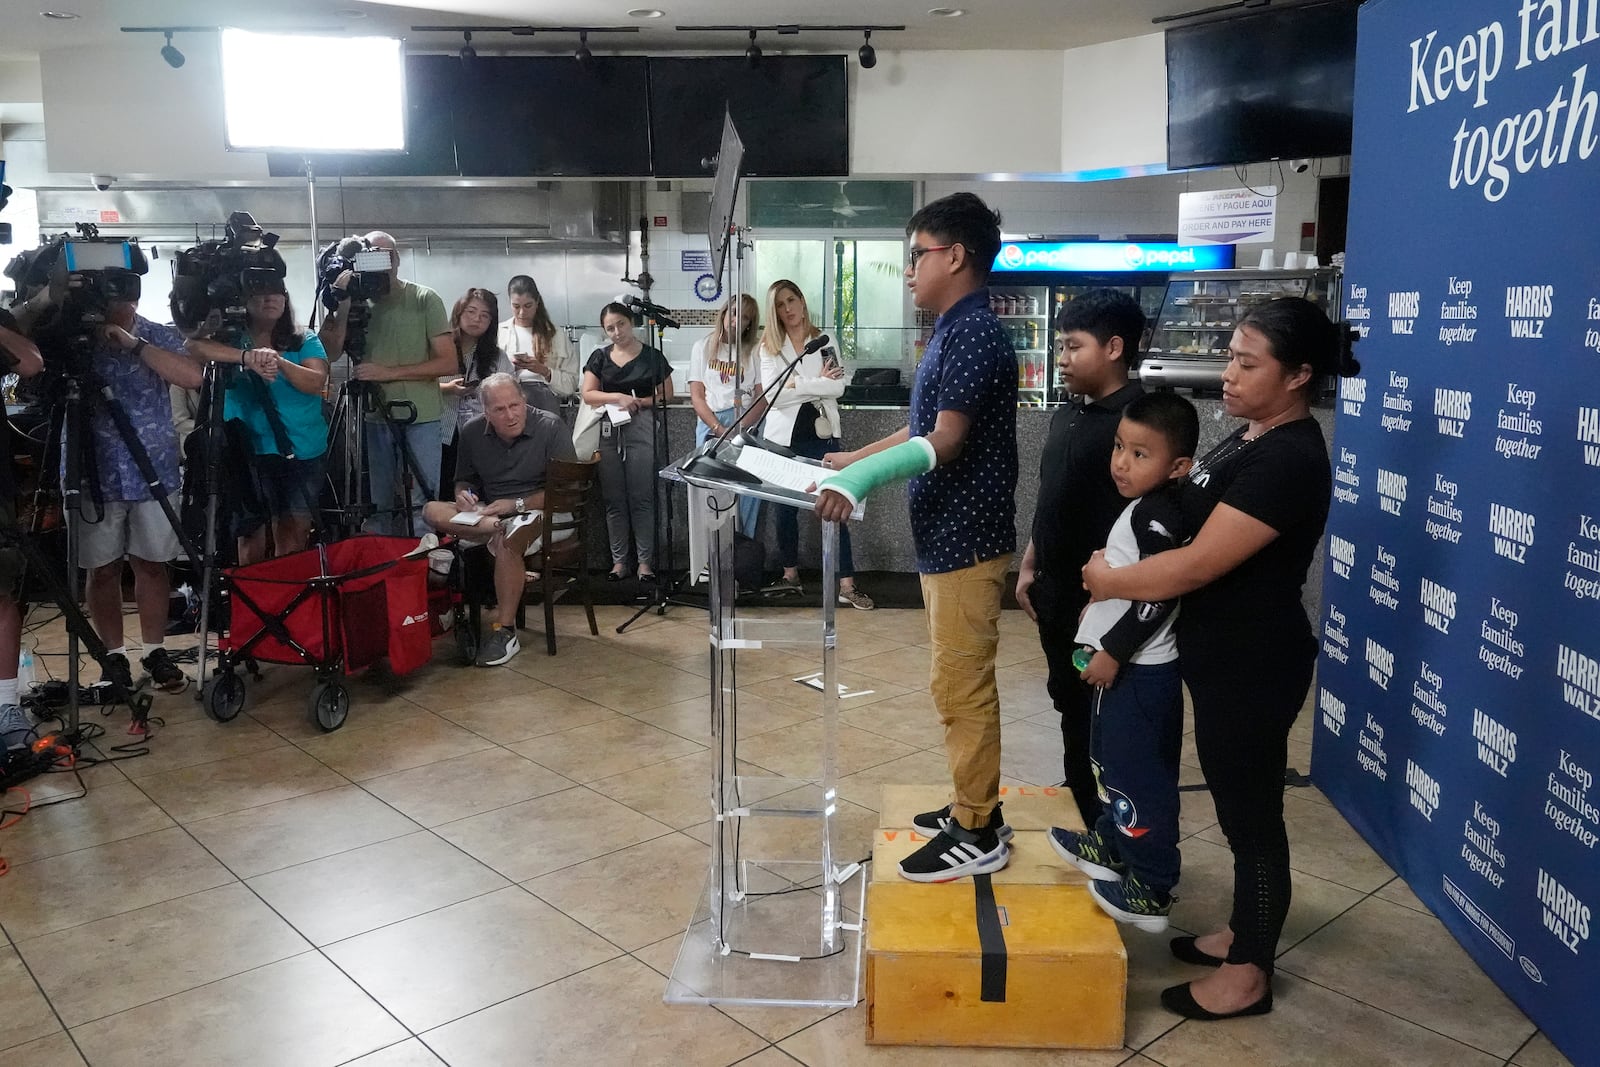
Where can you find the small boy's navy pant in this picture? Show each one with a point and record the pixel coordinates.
(1135, 744)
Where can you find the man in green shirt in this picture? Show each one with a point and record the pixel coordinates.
(409, 347)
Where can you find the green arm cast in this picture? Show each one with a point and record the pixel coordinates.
(905, 460)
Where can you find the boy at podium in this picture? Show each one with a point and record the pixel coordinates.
(960, 453)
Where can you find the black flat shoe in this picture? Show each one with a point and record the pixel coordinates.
(1180, 1001)
(615, 576)
(650, 579)
(1185, 949)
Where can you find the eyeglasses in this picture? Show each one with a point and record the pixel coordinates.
(916, 254)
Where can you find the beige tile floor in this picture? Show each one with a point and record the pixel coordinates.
(495, 867)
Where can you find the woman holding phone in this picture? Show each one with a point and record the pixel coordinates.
(478, 356)
(804, 416)
(539, 354)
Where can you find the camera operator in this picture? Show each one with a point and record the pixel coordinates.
(20, 356)
(287, 369)
(409, 348)
(137, 360)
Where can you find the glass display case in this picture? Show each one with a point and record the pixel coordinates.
(1189, 336)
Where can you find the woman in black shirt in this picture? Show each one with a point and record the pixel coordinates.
(624, 374)
(1245, 646)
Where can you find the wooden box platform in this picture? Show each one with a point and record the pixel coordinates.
(1065, 972)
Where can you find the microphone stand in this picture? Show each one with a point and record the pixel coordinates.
(667, 580)
(704, 462)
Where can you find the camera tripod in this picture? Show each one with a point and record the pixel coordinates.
(669, 580)
(219, 378)
(345, 427)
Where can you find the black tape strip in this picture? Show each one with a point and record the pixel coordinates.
(991, 940)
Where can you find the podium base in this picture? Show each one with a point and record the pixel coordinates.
(778, 917)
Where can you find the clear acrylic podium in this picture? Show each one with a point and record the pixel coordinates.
(780, 920)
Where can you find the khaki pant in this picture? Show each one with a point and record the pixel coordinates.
(964, 625)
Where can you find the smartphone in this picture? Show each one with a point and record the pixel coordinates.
(830, 358)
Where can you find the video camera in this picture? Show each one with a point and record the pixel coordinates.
(87, 274)
(212, 280)
(369, 279)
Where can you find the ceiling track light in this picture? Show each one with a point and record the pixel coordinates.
(584, 57)
(752, 54)
(170, 53)
(467, 53)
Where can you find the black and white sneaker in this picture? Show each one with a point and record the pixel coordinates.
(932, 822)
(167, 675)
(956, 853)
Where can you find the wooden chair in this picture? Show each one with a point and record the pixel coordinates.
(566, 510)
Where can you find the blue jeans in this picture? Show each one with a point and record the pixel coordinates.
(787, 519)
(749, 506)
(1136, 738)
(390, 515)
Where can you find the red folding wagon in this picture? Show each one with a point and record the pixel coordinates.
(337, 608)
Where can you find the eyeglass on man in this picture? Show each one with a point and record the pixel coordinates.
(916, 253)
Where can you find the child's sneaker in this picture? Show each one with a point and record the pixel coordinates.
(932, 822)
(1131, 901)
(1088, 852)
(956, 853)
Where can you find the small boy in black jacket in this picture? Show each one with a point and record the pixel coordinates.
(1129, 656)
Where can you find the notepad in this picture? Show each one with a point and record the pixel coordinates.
(781, 471)
(618, 415)
(466, 518)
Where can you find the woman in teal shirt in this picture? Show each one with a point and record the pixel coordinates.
(287, 368)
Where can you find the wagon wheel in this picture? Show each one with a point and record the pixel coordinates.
(224, 696)
(328, 704)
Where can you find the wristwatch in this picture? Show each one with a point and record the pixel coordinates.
(521, 506)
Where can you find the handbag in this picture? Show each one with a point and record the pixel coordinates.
(586, 431)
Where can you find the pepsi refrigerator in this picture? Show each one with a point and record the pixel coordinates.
(1033, 281)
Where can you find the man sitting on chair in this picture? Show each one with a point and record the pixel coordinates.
(501, 460)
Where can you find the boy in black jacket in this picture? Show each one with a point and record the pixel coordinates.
(1097, 340)
(1132, 664)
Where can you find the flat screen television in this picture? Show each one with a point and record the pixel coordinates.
(792, 113)
(550, 117)
(1273, 86)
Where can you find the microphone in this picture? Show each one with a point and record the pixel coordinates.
(816, 344)
(661, 314)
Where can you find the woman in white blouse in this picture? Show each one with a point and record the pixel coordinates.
(543, 360)
(804, 416)
(723, 375)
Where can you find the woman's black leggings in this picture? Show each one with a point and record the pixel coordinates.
(1243, 708)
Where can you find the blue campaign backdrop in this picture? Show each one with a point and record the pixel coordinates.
(1458, 703)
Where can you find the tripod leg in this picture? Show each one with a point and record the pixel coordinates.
(215, 392)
